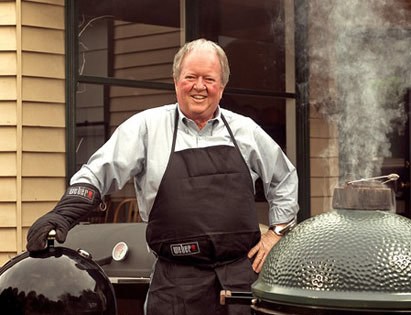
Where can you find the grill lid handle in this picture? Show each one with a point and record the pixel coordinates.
(384, 179)
(51, 238)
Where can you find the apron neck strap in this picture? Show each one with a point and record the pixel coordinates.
(173, 146)
(230, 132)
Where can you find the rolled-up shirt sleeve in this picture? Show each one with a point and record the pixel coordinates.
(120, 158)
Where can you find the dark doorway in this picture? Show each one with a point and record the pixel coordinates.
(399, 162)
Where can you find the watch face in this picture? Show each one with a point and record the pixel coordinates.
(119, 251)
(278, 230)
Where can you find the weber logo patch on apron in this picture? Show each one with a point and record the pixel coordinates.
(184, 249)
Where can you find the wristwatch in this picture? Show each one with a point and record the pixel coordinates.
(283, 229)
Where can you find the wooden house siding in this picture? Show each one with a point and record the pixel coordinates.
(32, 116)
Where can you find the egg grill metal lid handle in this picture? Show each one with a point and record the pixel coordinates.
(384, 179)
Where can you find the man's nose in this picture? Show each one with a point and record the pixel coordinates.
(199, 84)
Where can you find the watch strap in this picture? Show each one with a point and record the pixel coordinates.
(283, 229)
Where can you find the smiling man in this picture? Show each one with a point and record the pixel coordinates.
(194, 166)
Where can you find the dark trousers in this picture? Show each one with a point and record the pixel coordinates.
(178, 289)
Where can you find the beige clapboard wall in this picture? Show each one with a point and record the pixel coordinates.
(32, 116)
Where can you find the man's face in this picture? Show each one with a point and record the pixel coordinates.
(199, 87)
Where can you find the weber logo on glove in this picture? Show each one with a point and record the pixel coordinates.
(82, 192)
(185, 249)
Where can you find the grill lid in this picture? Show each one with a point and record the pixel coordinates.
(344, 259)
(57, 280)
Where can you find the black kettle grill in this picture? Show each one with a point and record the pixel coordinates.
(101, 269)
(57, 280)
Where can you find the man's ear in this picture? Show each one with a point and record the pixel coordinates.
(221, 93)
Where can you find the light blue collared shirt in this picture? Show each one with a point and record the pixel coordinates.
(140, 149)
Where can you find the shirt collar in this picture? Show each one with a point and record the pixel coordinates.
(184, 119)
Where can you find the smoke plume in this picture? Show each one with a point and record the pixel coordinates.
(360, 60)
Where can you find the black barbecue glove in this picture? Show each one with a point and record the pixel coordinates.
(75, 204)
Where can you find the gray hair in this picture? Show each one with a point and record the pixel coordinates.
(202, 43)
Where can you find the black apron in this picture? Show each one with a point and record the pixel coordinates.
(202, 225)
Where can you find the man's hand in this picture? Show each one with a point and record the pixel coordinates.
(38, 232)
(261, 250)
(75, 204)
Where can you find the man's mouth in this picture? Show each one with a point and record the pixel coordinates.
(199, 97)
